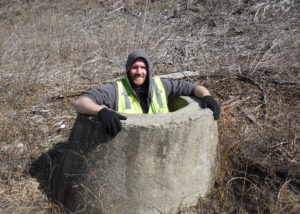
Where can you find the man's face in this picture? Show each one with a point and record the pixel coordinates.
(138, 72)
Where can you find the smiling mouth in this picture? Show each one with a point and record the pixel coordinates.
(139, 77)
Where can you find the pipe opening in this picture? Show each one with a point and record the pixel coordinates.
(177, 104)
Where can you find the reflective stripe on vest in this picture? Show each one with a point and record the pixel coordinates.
(129, 104)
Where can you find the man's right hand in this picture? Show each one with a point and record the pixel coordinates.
(111, 121)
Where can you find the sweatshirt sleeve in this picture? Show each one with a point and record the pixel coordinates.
(176, 88)
(105, 95)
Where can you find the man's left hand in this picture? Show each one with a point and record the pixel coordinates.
(210, 102)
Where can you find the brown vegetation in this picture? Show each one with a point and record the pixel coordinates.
(247, 54)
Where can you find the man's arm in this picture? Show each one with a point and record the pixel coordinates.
(200, 91)
(93, 101)
(176, 88)
(110, 119)
(85, 105)
(207, 100)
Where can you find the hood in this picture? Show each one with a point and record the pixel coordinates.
(138, 54)
(131, 58)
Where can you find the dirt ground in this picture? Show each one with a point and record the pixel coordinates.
(246, 52)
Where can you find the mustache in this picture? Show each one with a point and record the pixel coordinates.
(139, 75)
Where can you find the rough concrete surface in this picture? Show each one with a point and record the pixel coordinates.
(156, 164)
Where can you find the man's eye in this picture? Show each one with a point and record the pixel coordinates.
(136, 67)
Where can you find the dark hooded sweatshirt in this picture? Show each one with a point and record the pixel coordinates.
(108, 93)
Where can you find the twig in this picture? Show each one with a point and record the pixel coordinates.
(93, 173)
(263, 93)
(237, 178)
(92, 194)
(234, 101)
(285, 82)
(279, 193)
(282, 144)
(230, 100)
(71, 94)
(114, 11)
(180, 75)
(151, 206)
(251, 117)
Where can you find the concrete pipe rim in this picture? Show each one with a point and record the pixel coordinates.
(191, 111)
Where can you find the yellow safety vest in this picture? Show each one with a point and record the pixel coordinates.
(128, 103)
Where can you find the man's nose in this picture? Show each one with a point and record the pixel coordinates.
(139, 70)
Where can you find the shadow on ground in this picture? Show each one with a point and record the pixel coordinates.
(42, 168)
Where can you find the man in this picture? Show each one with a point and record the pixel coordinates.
(138, 92)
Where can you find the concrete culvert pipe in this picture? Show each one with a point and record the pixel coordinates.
(156, 164)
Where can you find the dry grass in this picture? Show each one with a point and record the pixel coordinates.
(247, 52)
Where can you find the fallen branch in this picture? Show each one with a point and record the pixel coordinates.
(71, 94)
(180, 75)
(263, 93)
(259, 162)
